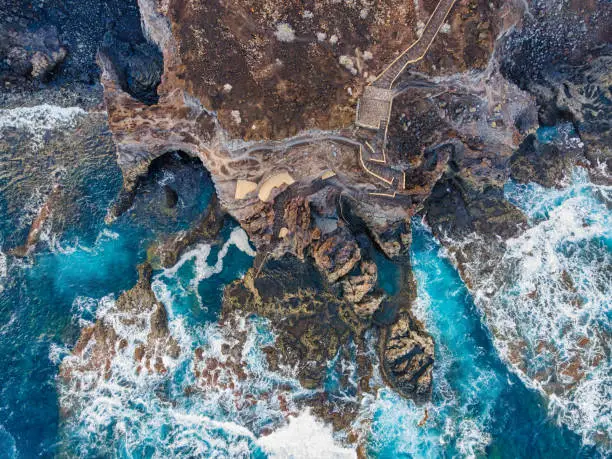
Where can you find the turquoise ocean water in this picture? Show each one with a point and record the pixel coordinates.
(479, 407)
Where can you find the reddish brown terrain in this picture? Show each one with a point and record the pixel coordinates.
(266, 95)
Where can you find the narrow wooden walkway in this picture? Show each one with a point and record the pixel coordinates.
(419, 48)
(374, 107)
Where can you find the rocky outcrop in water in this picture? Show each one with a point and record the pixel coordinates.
(321, 216)
(408, 357)
(493, 243)
(37, 226)
(167, 251)
(135, 327)
(242, 90)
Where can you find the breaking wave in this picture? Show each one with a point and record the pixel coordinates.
(193, 265)
(304, 437)
(216, 398)
(559, 301)
(38, 120)
(3, 270)
(546, 300)
(466, 383)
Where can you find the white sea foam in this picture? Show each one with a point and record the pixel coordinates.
(85, 309)
(37, 121)
(3, 270)
(132, 410)
(3, 265)
(57, 353)
(107, 234)
(473, 439)
(547, 300)
(166, 178)
(304, 437)
(56, 245)
(4, 329)
(202, 269)
(240, 239)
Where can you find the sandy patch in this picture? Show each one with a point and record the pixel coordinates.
(274, 182)
(243, 188)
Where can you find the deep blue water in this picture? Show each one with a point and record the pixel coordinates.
(88, 260)
(478, 408)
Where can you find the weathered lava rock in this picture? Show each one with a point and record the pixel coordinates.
(149, 339)
(408, 357)
(242, 71)
(29, 54)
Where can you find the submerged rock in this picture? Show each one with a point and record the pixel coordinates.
(170, 196)
(36, 229)
(135, 326)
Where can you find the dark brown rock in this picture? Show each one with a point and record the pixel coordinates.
(408, 357)
(136, 310)
(30, 54)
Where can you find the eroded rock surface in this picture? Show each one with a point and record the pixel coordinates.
(32, 55)
(134, 326)
(324, 215)
(492, 242)
(265, 95)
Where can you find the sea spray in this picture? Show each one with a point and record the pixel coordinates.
(478, 408)
(37, 121)
(556, 299)
(304, 437)
(214, 397)
(194, 266)
(465, 386)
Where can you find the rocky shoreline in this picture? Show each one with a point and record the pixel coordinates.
(252, 104)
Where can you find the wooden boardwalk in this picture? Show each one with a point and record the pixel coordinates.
(419, 48)
(374, 107)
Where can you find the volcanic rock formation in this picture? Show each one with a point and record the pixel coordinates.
(265, 95)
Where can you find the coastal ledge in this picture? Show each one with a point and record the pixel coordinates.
(454, 139)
